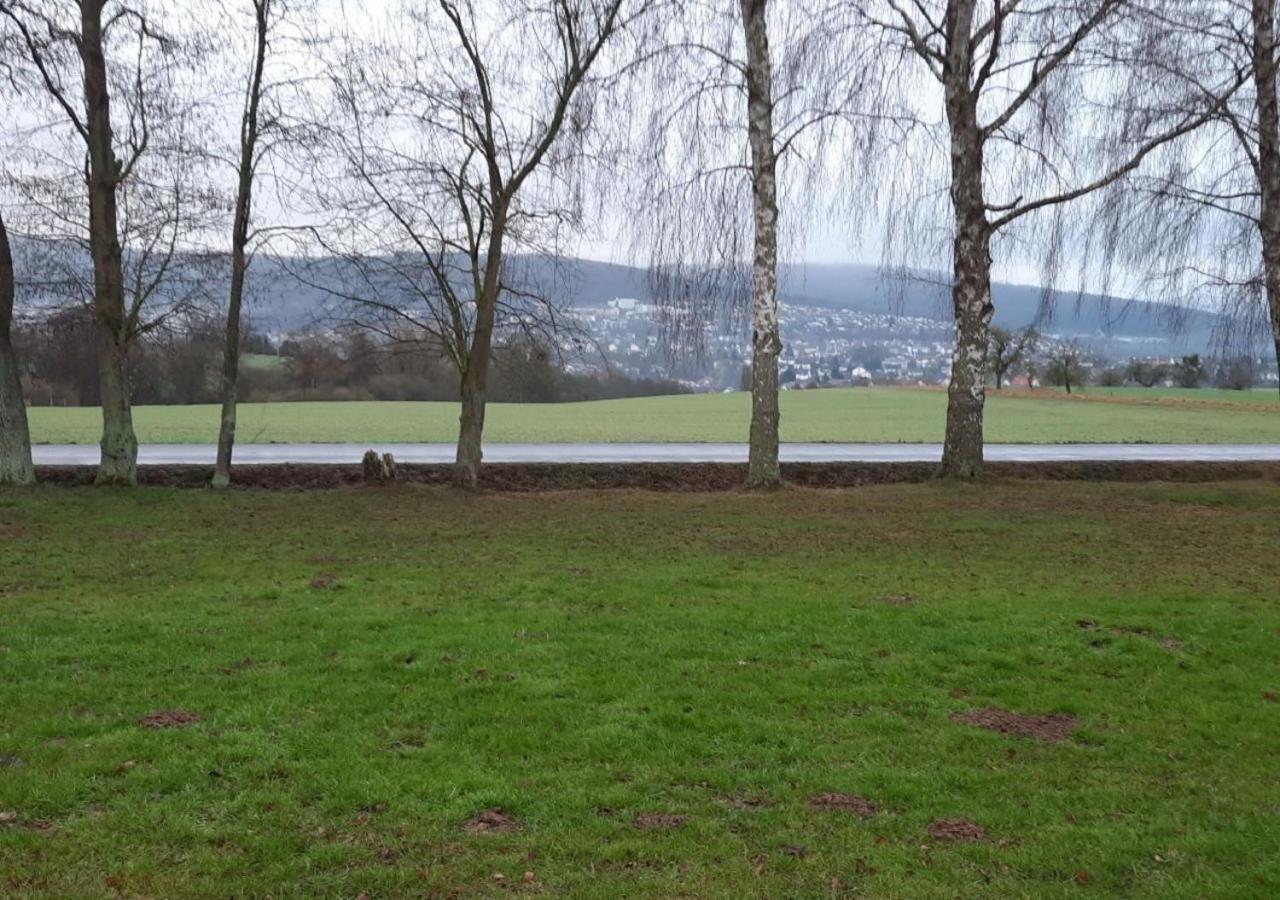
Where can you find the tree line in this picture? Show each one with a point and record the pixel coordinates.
(185, 366)
(426, 151)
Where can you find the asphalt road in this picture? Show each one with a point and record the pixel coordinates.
(259, 454)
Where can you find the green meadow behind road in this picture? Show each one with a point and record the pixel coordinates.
(872, 415)
(652, 688)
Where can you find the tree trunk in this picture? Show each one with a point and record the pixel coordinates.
(475, 371)
(15, 438)
(466, 471)
(966, 394)
(230, 385)
(1264, 74)
(119, 444)
(766, 340)
(239, 260)
(971, 284)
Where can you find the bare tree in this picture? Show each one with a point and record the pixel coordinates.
(84, 55)
(1007, 349)
(1265, 160)
(1147, 373)
(766, 336)
(15, 438)
(460, 146)
(1046, 102)
(1207, 232)
(730, 99)
(267, 16)
(1065, 367)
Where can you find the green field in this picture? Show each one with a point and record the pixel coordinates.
(373, 668)
(858, 415)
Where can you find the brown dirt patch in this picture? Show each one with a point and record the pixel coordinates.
(750, 802)
(652, 821)
(898, 600)
(1051, 728)
(957, 831)
(493, 821)
(679, 477)
(853, 803)
(169, 718)
(323, 581)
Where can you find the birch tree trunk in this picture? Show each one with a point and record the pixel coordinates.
(971, 287)
(1264, 74)
(15, 438)
(766, 339)
(119, 443)
(239, 260)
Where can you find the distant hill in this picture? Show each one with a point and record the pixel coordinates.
(279, 301)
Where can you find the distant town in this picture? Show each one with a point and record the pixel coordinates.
(825, 346)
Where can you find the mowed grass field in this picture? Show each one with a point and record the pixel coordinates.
(853, 415)
(652, 689)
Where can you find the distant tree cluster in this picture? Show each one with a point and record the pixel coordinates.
(55, 360)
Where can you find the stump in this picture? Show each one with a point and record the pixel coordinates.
(378, 469)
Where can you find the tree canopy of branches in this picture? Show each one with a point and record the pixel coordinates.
(89, 61)
(1065, 367)
(1207, 231)
(265, 128)
(1007, 350)
(461, 144)
(737, 104)
(1045, 102)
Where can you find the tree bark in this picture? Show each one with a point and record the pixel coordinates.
(475, 372)
(239, 258)
(15, 437)
(466, 472)
(119, 443)
(971, 286)
(766, 340)
(1264, 74)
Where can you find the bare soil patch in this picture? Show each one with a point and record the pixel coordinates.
(853, 803)
(169, 718)
(1051, 728)
(898, 600)
(493, 821)
(957, 831)
(652, 821)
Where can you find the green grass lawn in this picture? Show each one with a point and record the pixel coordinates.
(372, 668)
(868, 415)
